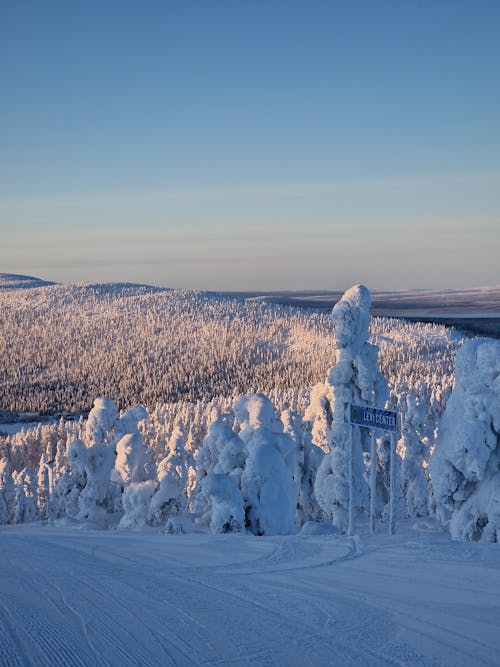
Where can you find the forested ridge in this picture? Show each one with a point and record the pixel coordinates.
(61, 346)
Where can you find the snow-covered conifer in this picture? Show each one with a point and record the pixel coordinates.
(7, 493)
(44, 487)
(99, 497)
(223, 452)
(134, 470)
(26, 505)
(413, 478)
(355, 378)
(267, 484)
(227, 513)
(170, 496)
(100, 422)
(465, 466)
(307, 460)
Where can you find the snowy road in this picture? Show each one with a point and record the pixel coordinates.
(72, 597)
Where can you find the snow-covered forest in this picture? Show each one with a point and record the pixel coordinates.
(62, 346)
(233, 413)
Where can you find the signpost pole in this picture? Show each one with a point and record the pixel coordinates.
(373, 480)
(374, 419)
(392, 483)
(350, 530)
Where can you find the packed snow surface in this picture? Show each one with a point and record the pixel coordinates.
(81, 597)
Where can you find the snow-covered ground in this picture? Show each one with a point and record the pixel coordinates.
(81, 597)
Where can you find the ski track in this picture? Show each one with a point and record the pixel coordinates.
(85, 598)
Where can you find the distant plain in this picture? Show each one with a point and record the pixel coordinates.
(476, 311)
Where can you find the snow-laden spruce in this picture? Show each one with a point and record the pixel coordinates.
(413, 443)
(7, 493)
(465, 466)
(227, 513)
(307, 461)
(354, 378)
(169, 498)
(249, 479)
(222, 453)
(267, 482)
(134, 469)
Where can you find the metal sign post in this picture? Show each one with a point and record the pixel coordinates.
(392, 495)
(373, 481)
(350, 529)
(374, 419)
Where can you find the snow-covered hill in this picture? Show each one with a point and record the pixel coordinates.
(64, 345)
(88, 598)
(16, 281)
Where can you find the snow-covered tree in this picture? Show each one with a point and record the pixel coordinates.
(134, 469)
(26, 505)
(7, 493)
(305, 463)
(44, 488)
(223, 452)
(319, 415)
(465, 466)
(99, 497)
(170, 496)
(227, 514)
(413, 479)
(267, 485)
(355, 378)
(133, 458)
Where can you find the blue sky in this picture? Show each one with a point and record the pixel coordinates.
(251, 145)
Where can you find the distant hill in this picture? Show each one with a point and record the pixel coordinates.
(15, 281)
(417, 303)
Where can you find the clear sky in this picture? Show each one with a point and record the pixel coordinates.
(256, 144)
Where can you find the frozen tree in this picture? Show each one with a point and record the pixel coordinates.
(136, 500)
(170, 496)
(134, 470)
(100, 422)
(465, 466)
(267, 483)
(44, 488)
(306, 461)
(319, 415)
(133, 458)
(7, 493)
(413, 478)
(26, 506)
(355, 378)
(129, 420)
(190, 450)
(71, 482)
(227, 512)
(223, 452)
(99, 497)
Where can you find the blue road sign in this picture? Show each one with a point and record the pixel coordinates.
(362, 415)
